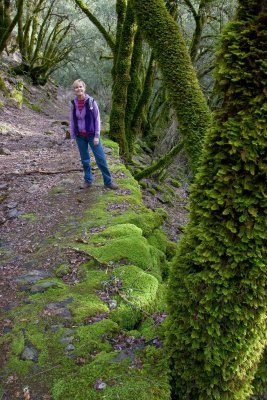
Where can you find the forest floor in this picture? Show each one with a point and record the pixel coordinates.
(40, 193)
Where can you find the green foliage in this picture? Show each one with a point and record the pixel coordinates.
(217, 296)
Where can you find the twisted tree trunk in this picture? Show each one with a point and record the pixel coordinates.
(162, 33)
(217, 288)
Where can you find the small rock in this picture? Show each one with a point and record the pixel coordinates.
(33, 276)
(13, 213)
(3, 186)
(55, 328)
(2, 218)
(7, 329)
(42, 287)
(12, 205)
(34, 188)
(29, 353)
(4, 151)
(66, 339)
(70, 347)
(100, 385)
(112, 304)
(57, 309)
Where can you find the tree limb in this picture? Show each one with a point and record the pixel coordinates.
(97, 23)
(163, 161)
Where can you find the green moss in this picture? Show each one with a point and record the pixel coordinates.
(34, 107)
(123, 241)
(175, 183)
(121, 81)
(31, 217)
(56, 190)
(3, 87)
(17, 92)
(158, 240)
(217, 288)
(92, 338)
(122, 382)
(139, 294)
(131, 239)
(62, 270)
(170, 52)
(5, 127)
(152, 191)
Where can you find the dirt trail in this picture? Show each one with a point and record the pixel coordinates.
(39, 191)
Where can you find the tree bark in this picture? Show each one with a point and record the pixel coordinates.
(163, 162)
(170, 51)
(122, 80)
(217, 286)
(9, 24)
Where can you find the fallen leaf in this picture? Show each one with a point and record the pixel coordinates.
(26, 393)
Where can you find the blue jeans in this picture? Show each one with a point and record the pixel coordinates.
(100, 159)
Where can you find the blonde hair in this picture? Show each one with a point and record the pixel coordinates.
(78, 81)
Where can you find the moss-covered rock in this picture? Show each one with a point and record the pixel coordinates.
(138, 295)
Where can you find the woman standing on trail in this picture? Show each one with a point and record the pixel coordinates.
(85, 128)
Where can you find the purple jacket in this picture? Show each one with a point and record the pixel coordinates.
(81, 118)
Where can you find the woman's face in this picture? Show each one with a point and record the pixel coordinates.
(79, 90)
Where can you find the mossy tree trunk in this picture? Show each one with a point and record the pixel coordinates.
(200, 18)
(5, 16)
(7, 24)
(217, 287)
(141, 105)
(135, 87)
(163, 162)
(164, 37)
(122, 49)
(41, 34)
(122, 80)
(121, 7)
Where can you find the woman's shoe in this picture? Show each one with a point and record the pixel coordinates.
(86, 185)
(112, 186)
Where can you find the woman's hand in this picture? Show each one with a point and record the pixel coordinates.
(72, 141)
(96, 141)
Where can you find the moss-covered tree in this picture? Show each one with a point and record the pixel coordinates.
(121, 81)
(134, 87)
(164, 37)
(7, 23)
(122, 50)
(41, 35)
(217, 293)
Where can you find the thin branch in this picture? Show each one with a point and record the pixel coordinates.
(97, 23)
(42, 172)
